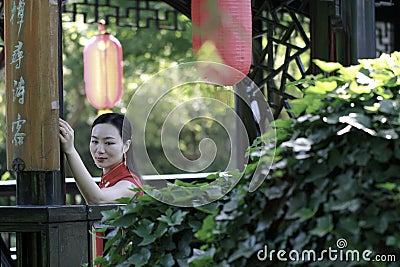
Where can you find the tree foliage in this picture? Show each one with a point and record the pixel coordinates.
(335, 178)
(145, 52)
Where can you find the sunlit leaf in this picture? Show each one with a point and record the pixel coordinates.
(327, 66)
(359, 89)
(388, 186)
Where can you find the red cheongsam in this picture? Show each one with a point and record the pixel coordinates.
(116, 174)
(119, 173)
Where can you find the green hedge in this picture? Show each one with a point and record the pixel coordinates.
(335, 178)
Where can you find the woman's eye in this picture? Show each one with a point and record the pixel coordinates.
(109, 143)
(94, 142)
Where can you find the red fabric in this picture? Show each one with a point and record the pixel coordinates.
(119, 173)
(99, 245)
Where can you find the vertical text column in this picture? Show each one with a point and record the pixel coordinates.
(31, 44)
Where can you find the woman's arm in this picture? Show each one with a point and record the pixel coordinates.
(120, 189)
(86, 185)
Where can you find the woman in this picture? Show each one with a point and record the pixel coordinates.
(111, 151)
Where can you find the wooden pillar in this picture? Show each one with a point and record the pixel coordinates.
(32, 37)
(32, 82)
(321, 46)
(342, 31)
(360, 15)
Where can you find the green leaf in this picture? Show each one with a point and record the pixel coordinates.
(112, 237)
(298, 106)
(144, 230)
(388, 134)
(324, 226)
(305, 213)
(202, 258)
(315, 106)
(322, 87)
(245, 249)
(350, 224)
(383, 224)
(129, 208)
(283, 123)
(126, 220)
(124, 200)
(184, 245)
(359, 89)
(381, 151)
(186, 184)
(167, 260)
(389, 106)
(388, 186)
(391, 241)
(276, 191)
(210, 208)
(175, 218)
(160, 231)
(352, 205)
(293, 91)
(327, 66)
(328, 86)
(350, 73)
(206, 231)
(108, 215)
(139, 259)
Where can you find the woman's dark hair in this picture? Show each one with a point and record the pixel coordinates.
(125, 131)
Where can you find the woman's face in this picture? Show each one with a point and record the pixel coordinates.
(106, 146)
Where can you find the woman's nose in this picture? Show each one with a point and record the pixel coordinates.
(100, 148)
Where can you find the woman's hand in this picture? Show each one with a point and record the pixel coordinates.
(66, 136)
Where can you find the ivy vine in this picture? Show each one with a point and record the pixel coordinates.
(335, 178)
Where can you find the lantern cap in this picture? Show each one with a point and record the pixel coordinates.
(102, 26)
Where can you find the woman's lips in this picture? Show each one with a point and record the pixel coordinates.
(100, 159)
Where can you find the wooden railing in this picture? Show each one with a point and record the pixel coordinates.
(63, 228)
(73, 196)
(62, 234)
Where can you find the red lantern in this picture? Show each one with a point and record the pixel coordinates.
(222, 33)
(103, 70)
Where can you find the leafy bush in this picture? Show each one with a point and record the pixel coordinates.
(150, 233)
(334, 179)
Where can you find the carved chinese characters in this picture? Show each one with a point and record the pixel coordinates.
(32, 83)
(17, 13)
